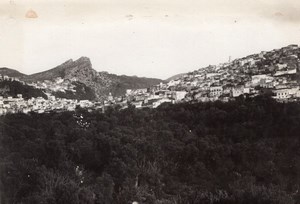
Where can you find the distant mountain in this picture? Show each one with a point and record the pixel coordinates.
(11, 72)
(81, 70)
(175, 77)
(121, 83)
(101, 82)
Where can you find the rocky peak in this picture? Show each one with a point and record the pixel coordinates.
(83, 59)
(68, 62)
(82, 63)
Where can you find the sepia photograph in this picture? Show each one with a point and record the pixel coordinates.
(149, 102)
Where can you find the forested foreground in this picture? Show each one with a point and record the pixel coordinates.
(247, 151)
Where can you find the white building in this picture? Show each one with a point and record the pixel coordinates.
(215, 91)
(285, 93)
(179, 95)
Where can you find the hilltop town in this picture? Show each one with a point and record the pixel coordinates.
(275, 73)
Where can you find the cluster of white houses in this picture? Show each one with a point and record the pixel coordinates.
(39, 105)
(153, 97)
(139, 98)
(276, 71)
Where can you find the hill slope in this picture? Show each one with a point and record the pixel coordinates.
(175, 77)
(11, 72)
(81, 92)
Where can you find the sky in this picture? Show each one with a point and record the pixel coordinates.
(146, 38)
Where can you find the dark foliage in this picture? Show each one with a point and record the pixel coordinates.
(12, 88)
(246, 151)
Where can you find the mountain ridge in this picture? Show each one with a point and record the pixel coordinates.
(81, 70)
(59, 71)
(11, 72)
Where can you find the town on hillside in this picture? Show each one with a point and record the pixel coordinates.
(274, 72)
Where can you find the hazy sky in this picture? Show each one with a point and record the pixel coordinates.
(152, 38)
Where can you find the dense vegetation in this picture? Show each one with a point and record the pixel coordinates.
(83, 92)
(13, 88)
(246, 151)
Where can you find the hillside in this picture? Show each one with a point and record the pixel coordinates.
(276, 71)
(123, 82)
(80, 92)
(175, 77)
(11, 72)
